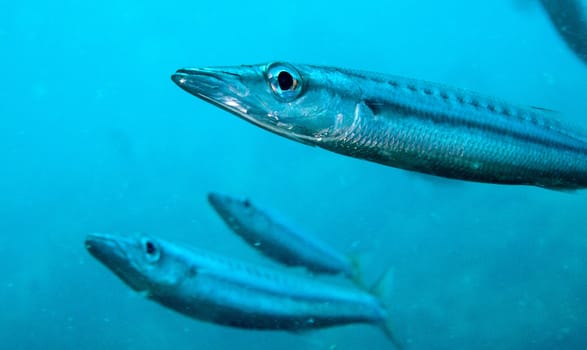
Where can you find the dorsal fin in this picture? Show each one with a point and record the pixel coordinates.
(547, 111)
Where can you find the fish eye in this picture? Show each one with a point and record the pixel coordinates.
(247, 203)
(285, 81)
(151, 250)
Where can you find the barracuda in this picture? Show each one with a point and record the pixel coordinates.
(400, 122)
(279, 241)
(228, 292)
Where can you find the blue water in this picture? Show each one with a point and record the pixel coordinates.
(94, 137)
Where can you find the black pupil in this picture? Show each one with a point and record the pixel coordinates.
(150, 247)
(285, 80)
(247, 203)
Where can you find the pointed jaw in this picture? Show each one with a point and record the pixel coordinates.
(222, 87)
(217, 200)
(115, 252)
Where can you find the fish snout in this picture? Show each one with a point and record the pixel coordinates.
(199, 81)
(100, 246)
(110, 250)
(119, 254)
(215, 200)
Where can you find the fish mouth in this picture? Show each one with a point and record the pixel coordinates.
(197, 81)
(226, 88)
(222, 204)
(111, 251)
(103, 246)
(216, 200)
(220, 86)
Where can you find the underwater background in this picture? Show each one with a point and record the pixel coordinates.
(95, 137)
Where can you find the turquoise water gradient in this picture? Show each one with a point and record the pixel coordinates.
(95, 137)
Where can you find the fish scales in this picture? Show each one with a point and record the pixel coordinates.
(229, 292)
(401, 122)
(456, 151)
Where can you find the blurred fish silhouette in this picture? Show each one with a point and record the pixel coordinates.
(279, 241)
(568, 18)
(233, 293)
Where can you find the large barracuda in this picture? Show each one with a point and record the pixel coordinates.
(232, 293)
(279, 241)
(400, 122)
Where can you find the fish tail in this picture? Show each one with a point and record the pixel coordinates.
(387, 328)
(382, 290)
(355, 273)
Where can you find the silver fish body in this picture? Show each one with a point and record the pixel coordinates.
(277, 240)
(229, 292)
(400, 122)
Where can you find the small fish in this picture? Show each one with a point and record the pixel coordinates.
(227, 292)
(400, 122)
(279, 241)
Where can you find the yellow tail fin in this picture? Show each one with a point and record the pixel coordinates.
(382, 290)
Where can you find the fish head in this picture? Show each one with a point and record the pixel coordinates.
(231, 209)
(301, 102)
(144, 263)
